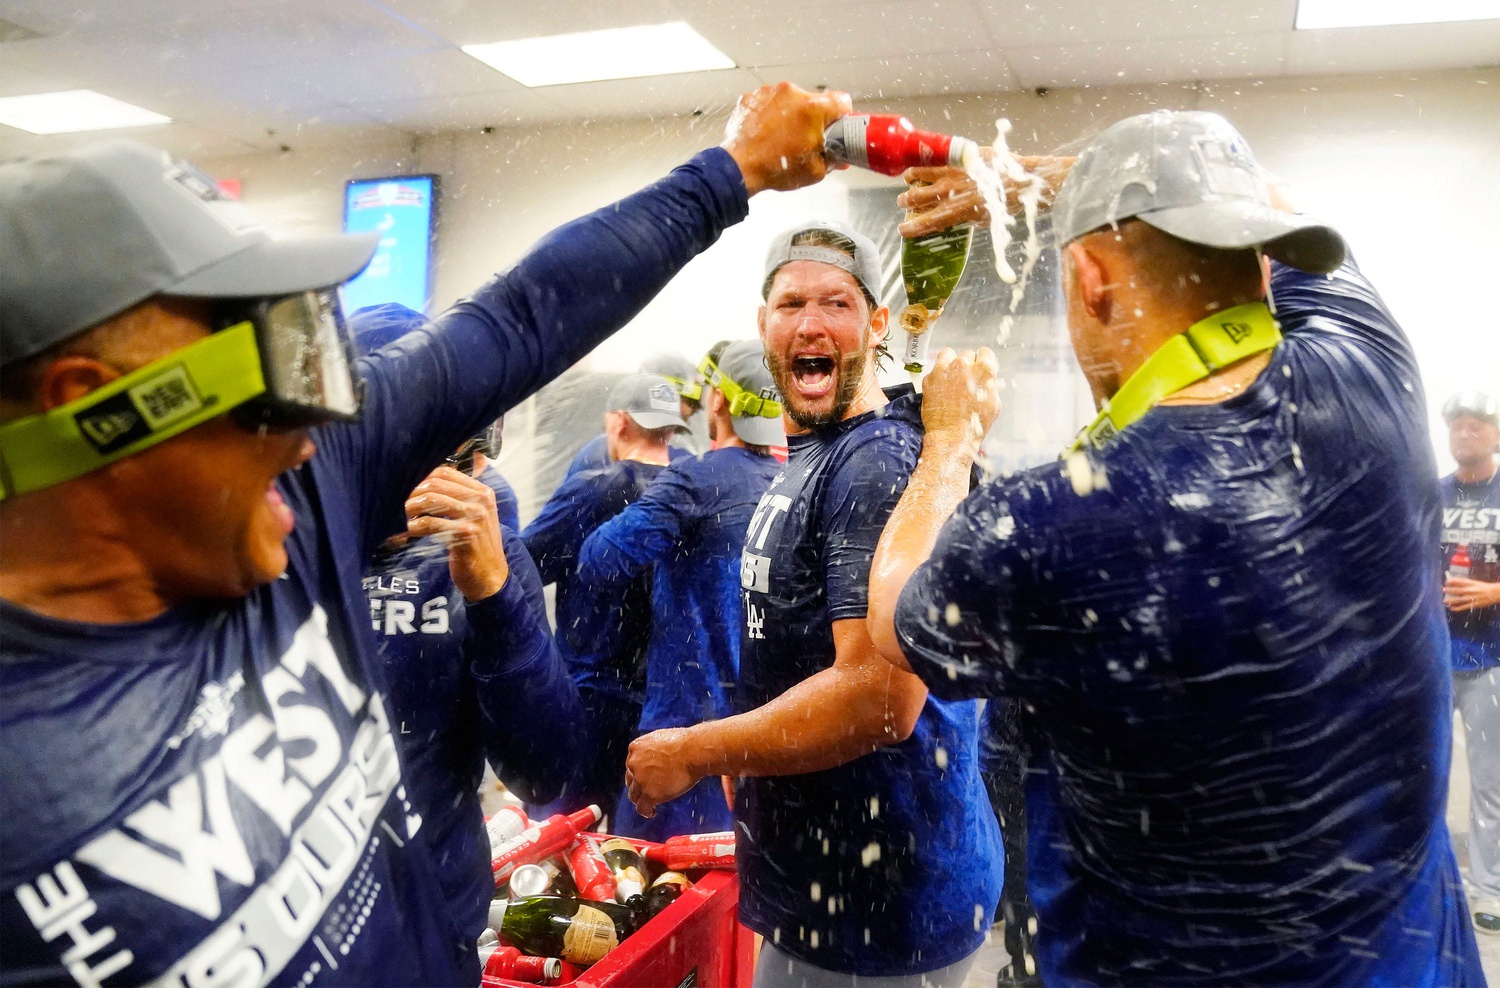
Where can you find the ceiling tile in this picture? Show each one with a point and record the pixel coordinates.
(300, 32)
(466, 22)
(1383, 49)
(812, 32)
(978, 71)
(1058, 23)
(181, 140)
(434, 114)
(710, 92)
(1161, 60)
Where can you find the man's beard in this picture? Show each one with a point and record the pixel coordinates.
(850, 371)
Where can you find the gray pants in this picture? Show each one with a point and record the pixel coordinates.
(1477, 696)
(776, 969)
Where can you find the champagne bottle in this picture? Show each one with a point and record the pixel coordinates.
(553, 926)
(625, 864)
(931, 267)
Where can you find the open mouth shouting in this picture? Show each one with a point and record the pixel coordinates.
(813, 375)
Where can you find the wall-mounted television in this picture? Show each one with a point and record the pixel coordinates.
(403, 210)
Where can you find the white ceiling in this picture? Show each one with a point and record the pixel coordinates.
(243, 75)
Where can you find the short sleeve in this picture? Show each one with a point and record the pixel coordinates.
(859, 500)
(954, 619)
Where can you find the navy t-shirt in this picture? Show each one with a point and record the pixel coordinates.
(215, 795)
(685, 533)
(470, 681)
(1226, 632)
(1471, 517)
(891, 864)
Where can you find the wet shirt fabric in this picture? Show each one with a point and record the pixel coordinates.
(602, 634)
(470, 681)
(215, 794)
(685, 534)
(1471, 517)
(891, 864)
(1226, 632)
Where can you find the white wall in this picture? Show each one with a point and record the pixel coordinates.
(1408, 167)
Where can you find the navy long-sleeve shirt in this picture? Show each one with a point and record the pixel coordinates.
(218, 789)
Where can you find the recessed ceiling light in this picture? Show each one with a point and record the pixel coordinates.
(615, 53)
(75, 110)
(1314, 14)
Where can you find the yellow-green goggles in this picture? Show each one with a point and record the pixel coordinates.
(741, 402)
(280, 363)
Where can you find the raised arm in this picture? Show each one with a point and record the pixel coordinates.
(644, 533)
(960, 401)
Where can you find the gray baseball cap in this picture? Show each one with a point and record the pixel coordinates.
(863, 264)
(87, 234)
(744, 364)
(1190, 174)
(649, 399)
(1475, 403)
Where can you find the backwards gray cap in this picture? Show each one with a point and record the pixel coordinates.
(1476, 403)
(744, 363)
(864, 265)
(1190, 174)
(87, 234)
(649, 399)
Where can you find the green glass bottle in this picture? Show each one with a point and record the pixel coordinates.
(931, 267)
(554, 926)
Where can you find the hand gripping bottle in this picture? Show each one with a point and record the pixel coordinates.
(887, 143)
(509, 963)
(694, 851)
(540, 841)
(590, 871)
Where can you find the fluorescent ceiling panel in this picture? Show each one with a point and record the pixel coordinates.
(1315, 14)
(75, 110)
(614, 53)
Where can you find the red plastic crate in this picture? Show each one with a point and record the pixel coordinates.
(696, 942)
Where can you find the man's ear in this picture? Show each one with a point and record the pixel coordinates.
(1093, 281)
(760, 324)
(880, 326)
(67, 379)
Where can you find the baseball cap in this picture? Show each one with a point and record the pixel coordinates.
(1188, 173)
(1476, 403)
(677, 369)
(863, 264)
(89, 233)
(740, 372)
(649, 399)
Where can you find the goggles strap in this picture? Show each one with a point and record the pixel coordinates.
(742, 403)
(135, 412)
(1208, 345)
(691, 390)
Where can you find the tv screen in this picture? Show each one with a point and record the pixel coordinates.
(401, 210)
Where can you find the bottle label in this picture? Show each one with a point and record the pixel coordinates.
(590, 936)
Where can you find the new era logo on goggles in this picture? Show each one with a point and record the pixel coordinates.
(284, 362)
(742, 403)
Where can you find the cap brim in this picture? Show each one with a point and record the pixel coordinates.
(280, 267)
(657, 420)
(1234, 224)
(759, 430)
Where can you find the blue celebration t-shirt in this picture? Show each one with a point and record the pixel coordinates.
(1471, 517)
(686, 532)
(1225, 629)
(891, 864)
(215, 795)
(470, 681)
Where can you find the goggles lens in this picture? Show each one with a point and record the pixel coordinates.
(306, 354)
